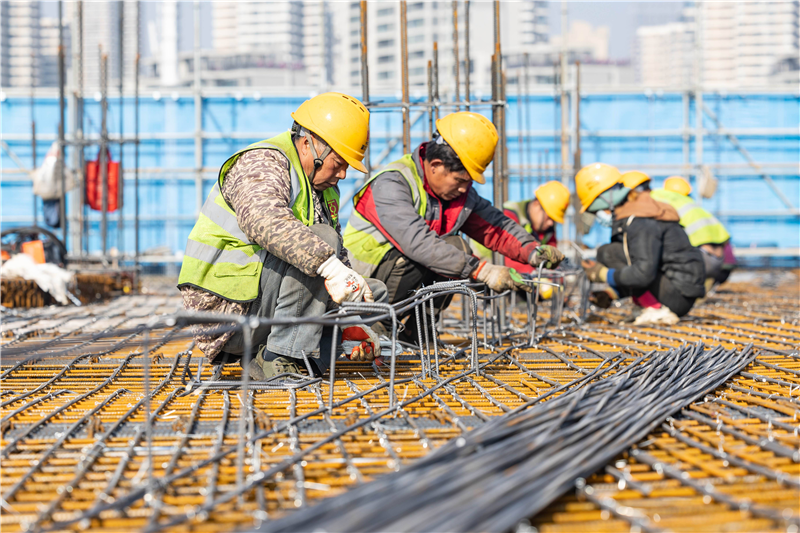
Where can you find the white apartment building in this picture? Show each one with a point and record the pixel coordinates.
(522, 24)
(19, 43)
(732, 45)
(101, 23)
(271, 28)
(319, 43)
(663, 55)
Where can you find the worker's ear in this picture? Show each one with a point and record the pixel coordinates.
(437, 165)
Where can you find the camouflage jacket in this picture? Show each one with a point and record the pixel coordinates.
(257, 187)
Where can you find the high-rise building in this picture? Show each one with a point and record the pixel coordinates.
(727, 44)
(101, 32)
(273, 28)
(319, 43)
(663, 55)
(19, 43)
(742, 43)
(522, 24)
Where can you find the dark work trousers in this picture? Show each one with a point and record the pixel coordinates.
(613, 256)
(286, 292)
(402, 276)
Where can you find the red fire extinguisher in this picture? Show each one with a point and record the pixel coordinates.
(94, 187)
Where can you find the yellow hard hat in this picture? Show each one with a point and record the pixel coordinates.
(473, 138)
(553, 196)
(678, 184)
(634, 178)
(592, 180)
(339, 120)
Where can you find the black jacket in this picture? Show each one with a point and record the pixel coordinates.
(656, 246)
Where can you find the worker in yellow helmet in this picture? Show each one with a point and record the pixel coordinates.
(650, 257)
(268, 243)
(539, 216)
(704, 230)
(406, 221)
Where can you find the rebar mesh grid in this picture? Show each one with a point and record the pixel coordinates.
(75, 443)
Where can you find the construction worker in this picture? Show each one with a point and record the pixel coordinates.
(650, 257)
(539, 216)
(703, 228)
(405, 226)
(268, 243)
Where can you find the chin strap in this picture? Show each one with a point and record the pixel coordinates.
(318, 159)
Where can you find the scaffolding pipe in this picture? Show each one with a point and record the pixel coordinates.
(80, 242)
(430, 99)
(436, 78)
(365, 74)
(136, 157)
(61, 124)
(404, 74)
(198, 112)
(467, 65)
(455, 53)
(104, 147)
(120, 180)
(33, 148)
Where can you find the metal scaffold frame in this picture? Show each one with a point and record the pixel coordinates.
(568, 135)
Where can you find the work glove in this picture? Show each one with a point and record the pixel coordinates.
(549, 255)
(342, 283)
(499, 278)
(595, 272)
(368, 347)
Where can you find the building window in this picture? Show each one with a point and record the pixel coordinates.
(416, 38)
(385, 59)
(416, 23)
(355, 46)
(385, 27)
(385, 11)
(417, 54)
(416, 6)
(386, 43)
(419, 71)
(355, 59)
(385, 75)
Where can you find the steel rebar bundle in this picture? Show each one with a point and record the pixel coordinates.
(512, 467)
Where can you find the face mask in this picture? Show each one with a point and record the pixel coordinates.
(604, 218)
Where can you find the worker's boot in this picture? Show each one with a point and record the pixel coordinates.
(261, 370)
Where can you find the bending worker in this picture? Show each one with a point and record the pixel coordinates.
(405, 227)
(650, 257)
(539, 216)
(268, 242)
(704, 230)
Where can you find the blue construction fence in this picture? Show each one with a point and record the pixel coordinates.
(620, 129)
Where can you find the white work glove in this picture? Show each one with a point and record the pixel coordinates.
(342, 283)
(499, 278)
(367, 343)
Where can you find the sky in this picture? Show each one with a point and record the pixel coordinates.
(622, 18)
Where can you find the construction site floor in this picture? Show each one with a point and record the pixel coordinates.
(77, 453)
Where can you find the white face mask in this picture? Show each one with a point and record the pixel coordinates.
(604, 218)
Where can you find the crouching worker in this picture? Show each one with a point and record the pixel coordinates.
(650, 257)
(538, 216)
(405, 227)
(268, 243)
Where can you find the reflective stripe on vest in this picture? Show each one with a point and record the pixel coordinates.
(219, 257)
(366, 244)
(701, 226)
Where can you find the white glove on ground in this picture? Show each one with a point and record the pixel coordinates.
(342, 283)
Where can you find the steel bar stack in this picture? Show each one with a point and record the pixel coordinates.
(111, 418)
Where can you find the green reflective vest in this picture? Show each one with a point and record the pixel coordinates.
(219, 257)
(366, 244)
(701, 226)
